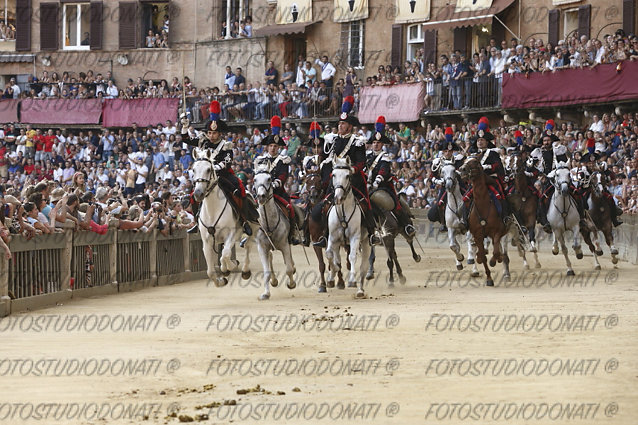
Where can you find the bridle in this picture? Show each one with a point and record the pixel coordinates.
(209, 186)
(269, 190)
(348, 188)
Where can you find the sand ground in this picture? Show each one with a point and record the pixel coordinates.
(441, 348)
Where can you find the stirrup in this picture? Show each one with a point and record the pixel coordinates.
(193, 229)
(243, 241)
(410, 230)
(322, 242)
(374, 240)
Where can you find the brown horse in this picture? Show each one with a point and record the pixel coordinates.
(316, 228)
(524, 200)
(484, 220)
(600, 214)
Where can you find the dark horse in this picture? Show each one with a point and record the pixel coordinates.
(389, 230)
(598, 210)
(484, 220)
(316, 228)
(524, 199)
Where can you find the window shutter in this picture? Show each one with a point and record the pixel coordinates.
(584, 20)
(460, 39)
(49, 26)
(397, 45)
(498, 31)
(128, 25)
(23, 25)
(552, 30)
(429, 47)
(96, 25)
(173, 11)
(628, 16)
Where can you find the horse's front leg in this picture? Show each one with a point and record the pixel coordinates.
(497, 255)
(563, 246)
(245, 270)
(471, 253)
(352, 259)
(290, 265)
(365, 252)
(322, 269)
(455, 247)
(265, 262)
(332, 268)
(371, 258)
(212, 257)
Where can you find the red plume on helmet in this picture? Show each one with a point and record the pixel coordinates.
(379, 126)
(315, 130)
(549, 125)
(214, 110)
(275, 125)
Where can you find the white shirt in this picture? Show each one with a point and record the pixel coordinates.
(327, 70)
(597, 126)
(16, 91)
(111, 92)
(141, 169)
(169, 130)
(57, 175)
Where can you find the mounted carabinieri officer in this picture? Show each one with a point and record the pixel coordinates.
(278, 165)
(212, 138)
(380, 177)
(349, 144)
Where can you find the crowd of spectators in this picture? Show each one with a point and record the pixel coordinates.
(7, 31)
(140, 179)
(238, 29)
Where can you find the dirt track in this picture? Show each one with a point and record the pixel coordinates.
(387, 359)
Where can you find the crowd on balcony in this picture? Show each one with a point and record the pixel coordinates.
(55, 180)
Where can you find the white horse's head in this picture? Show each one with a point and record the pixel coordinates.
(562, 178)
(262, 183)
(341, 178)
(204, 175)
(450, 175)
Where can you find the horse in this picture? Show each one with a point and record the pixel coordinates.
(218, 222)
(562, 215)
(484, 220)
(600, 215)
(524, 200)
(316, 229)
(453, 215)
(273, 232)
(389, 230)
(345, 225)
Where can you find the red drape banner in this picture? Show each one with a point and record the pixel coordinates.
(60, 111)
(604, 83)
(8, 110)
(398, 103)
(143, 112)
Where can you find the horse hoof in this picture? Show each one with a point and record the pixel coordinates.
(507, 277)
(459, 266)
(470, 261)
(614, 251)
(341, 285)
(475, 274)
(461, 257)
(402, 280)
(493, 262)
(246, 275)
(526, 266)
(274, 283)
(533, 249)
(360, 294)
(391, 284)
(226, 273)
(322, 289)
(352, 285)
(599, 252)
(579, 255)
(571, 273)
(614, 260)
(264, 297)
(221, 281)
(417, 258)
(330, 284)
(555, 251)
(597, 267)
(291, 285)
(489, 282)
(370, 276)
(538, 265)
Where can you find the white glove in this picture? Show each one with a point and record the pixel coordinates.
(276, 184)
(487, 167)
(217, 167)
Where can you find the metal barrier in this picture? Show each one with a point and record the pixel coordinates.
(467, 93)
(197, 259)
(133, 257)
(91, 260)
(170, 254)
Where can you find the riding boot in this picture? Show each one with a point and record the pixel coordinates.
(442, 218)
(542, 216)
(519, 218)
(581, 206)
(317, 212)
(370, 224)
(614, 212)
(293, 238)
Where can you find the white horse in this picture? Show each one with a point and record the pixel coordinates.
(273, 232)
(562, 214)
(453, 215)
(218, 223)
(345, 226)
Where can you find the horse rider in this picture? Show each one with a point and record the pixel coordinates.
(544, 159)
(590, 166)
(490, 160)
(311, 165)
(348, 144)
(380, 176)
(278, 165)
(212, 138)
(450, 152)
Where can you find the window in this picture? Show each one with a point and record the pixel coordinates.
(76, 26)
(7, 22)
(570, 22)
(156, 24)
(415, 41)
(355, 44)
